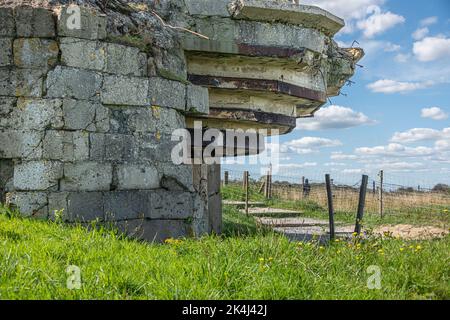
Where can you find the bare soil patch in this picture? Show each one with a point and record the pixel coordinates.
(410, 232)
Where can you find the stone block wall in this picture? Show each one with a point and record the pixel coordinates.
(85, 127)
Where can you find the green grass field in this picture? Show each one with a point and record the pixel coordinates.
(244, 263)
(434, 215)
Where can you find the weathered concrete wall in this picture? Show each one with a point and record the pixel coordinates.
(87, 112)
(85, 127)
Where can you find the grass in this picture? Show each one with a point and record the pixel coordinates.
(245, 263)
(436, 215)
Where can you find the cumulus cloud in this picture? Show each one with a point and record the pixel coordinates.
(297, 165)
(334, 117)
(434, 113)
(432, 48)
(443, 145)
(420, 33)
(391, 86)
(352, 171)
(378, 22)
(429, 21)
(402, 57)
(307, 145)
(420, 134)
(341, 156)
(395, 150)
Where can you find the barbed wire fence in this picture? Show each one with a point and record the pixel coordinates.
(386, 195)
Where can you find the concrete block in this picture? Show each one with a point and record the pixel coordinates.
(21, 82)
(63, 82)
(154, 230)
(155, 147)
(125, 205)
(86, 176)
(120, 90)
(5, 52)
(92, 24)
(85, 115)
(35, 53)
(34, 22)
(176, 177)
(84, 54)
(37, 175)
(145, 120)
(171, 205)
(7, 105)
(137, 177)
(68, 146)
(125, 60)
(208, 8)
(34, 114)
(19, 144)
(30, 204)
(85, 206)
(57, 202)
(197, 99)
(167, 93)
(113, 147)
(7, 22)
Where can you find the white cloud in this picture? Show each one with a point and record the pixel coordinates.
(394, 150)
(307, 145)
(378, 22)
(391, 86)
(352, 171)
(432, 48)
(334, 117)
(429, 21)
(342, 156)
(420, 33)
(402, 58)
(297, 165)
(443, 145)
(420, 134)
(334, 164)
(391, 47)
(434, 113)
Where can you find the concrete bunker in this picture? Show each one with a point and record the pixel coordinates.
(87, 112)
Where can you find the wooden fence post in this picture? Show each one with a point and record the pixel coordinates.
(381, 193)
(362, 202)
(246, 175)
(330, 206)
(270, 184)
(303, 184)
(225, 178)
(244, 186)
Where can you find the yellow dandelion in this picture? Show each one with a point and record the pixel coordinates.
(261, 259)
(322, 248)
(402, 249)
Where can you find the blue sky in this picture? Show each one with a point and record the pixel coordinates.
(396, 115)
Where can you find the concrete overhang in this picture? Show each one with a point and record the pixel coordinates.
(265, 63)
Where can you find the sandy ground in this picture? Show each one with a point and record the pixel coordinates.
(410, 232)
